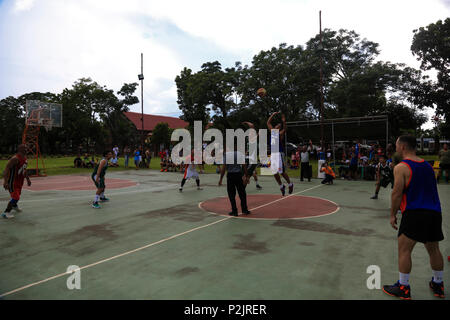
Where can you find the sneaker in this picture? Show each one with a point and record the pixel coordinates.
(258, 187)
(199, 188)
(246, 212)
(95, 205)
(283, 190)
(104, 199)
(374, 197)
(232, 213)
(398, 290)
(437, 288)
(181, 189)
(7, 215)
(291, 188)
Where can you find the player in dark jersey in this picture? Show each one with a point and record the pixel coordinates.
(277, 158)
(13, 177)
(98, 176)
(415, 194)
(385, 175)
(251, 159)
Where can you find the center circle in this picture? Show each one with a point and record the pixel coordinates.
(270, 206)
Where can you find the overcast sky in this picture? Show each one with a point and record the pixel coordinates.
(46, 45)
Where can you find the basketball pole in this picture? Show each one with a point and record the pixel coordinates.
(321, 83)
(141, 77)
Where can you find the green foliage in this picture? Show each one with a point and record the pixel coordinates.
(92, 118)
(431, 46)
(161, 134)
(354, 84)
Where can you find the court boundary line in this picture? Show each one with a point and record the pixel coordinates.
(243, 216)
(109, 193)
(138, 249)
(112, 258)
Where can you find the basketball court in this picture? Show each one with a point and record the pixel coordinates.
(153, 242)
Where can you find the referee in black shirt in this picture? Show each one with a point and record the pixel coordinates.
(235, 180)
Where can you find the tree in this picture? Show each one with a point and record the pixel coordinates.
(12, 121)
(431, 46)
(191, 101)
(161, 135)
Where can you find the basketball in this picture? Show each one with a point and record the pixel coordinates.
(261, 92)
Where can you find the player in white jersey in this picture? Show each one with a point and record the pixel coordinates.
(190, 171)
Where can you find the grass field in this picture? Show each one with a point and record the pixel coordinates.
(64, 165)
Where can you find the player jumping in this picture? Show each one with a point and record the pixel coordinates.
(277, 158)
(251, 167)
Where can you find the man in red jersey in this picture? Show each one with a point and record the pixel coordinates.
(415, 194)
(13, 177)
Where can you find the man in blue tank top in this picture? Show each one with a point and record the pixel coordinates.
(415, 194)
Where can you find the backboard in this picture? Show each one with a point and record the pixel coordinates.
(45, 114)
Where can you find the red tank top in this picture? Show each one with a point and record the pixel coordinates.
(20, 168)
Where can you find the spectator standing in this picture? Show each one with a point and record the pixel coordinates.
(304, 166)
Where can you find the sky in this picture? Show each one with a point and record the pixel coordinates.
(46, 45)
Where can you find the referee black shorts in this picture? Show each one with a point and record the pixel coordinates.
(251, 168)
(421, 225)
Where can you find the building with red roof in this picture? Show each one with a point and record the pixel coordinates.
(150, 121)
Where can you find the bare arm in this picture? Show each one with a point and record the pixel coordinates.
(11, 163)
(400, 174)
(27, 177)
(269, 121)
(249, 124)
(283, 119)
(222, 173)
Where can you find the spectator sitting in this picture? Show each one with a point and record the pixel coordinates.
(78, 163)
(114, 162)
(87, 163)
(329, 174)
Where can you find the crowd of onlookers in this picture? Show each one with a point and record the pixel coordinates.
(138, 157)
(352, 162)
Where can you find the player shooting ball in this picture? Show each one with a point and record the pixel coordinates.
(277, 158)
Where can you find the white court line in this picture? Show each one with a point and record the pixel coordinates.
(114, 257)
(108, 184)
(243, 216)
(111, 194)
(142, 248)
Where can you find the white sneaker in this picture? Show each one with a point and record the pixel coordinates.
(199, 188)
(17, 209)
(7, 215)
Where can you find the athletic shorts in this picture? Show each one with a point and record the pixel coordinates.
(422, 225)
(100, 184)
(251, 168)
(188, 174)
(385, 182)
(277, 163)
(15, 191)
(444, 166)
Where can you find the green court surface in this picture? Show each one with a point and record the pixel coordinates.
(153, 242)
